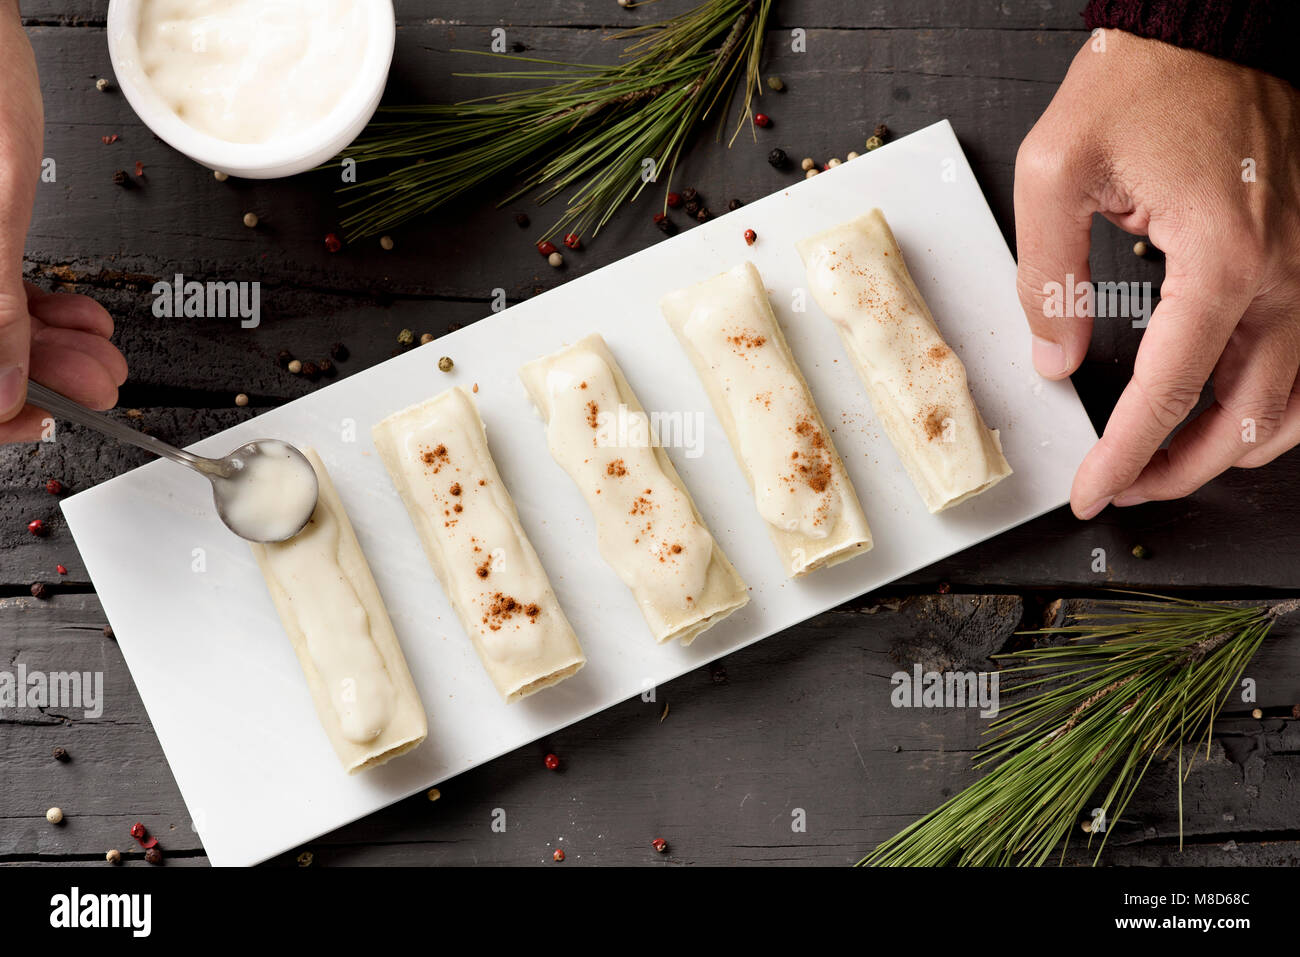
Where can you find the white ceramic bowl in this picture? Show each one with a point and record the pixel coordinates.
(308, 148)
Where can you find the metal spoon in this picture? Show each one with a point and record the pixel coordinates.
(228, 475)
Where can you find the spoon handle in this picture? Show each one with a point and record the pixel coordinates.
(61, 405)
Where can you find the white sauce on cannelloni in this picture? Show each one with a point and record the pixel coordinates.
(789, 456)
(335, 624)
(646, 527)
(497, 579)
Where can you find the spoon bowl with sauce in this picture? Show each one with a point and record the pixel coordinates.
(264, 491)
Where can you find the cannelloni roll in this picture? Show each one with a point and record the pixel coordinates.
(648, 528)
(437, 456)
(916, 383)
(339, 628)
(727, 328)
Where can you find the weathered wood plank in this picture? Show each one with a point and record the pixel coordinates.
(990, 83)
(880, 14)
(1236, 534)
(802, 720)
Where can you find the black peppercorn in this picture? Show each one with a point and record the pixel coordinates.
(108, 633)
(690, 195)
(283, 358)
(667, 226)
(40, 590)
(735, 204)
(153, 855)
(61, 754)
(703, 216)
(326, 368)
(693, 207)
(717, 674)
(777, 159)
(120, 178)
(882, 131)
(522, 220)
(339, 352)
(310, 370)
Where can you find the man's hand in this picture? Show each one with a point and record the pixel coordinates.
(1156, 139)
(60, 340)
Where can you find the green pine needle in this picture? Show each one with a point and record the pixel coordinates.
(1135, 681)
(577, 129)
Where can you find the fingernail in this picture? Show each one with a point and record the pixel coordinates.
(1125, 499)
(1049, 358)
(12, 381)
(1094, 508)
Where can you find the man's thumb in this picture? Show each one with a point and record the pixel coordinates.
(15, 347)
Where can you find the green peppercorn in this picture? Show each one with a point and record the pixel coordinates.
(1139, 551)
(406, 338)
(874, 143)
(445, 364)
(776, 83)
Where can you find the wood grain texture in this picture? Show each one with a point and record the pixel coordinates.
(801, 720)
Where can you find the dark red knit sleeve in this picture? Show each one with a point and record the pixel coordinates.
(1256, 33)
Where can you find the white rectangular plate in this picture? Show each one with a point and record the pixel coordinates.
(200, 634)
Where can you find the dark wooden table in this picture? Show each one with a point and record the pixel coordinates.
(800, 721)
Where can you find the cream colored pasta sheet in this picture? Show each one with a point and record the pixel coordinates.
(648, 528)
(336, 621)
(916, 383)
(802, 491)
(437, 456)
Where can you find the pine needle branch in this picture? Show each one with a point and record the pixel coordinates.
(578, 129)
(1134, 681)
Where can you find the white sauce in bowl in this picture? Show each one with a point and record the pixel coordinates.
(252, 71)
